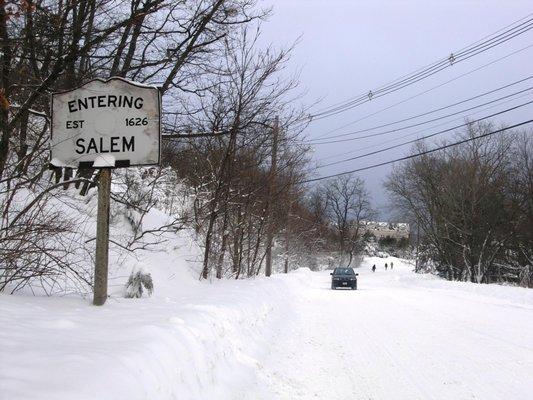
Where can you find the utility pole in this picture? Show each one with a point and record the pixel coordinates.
(286, 268)
(271, 178)
(417, 243)
(102, 237)
(287, 238)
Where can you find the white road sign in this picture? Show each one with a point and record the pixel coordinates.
(113, 123)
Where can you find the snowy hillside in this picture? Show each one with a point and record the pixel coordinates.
(400, 336)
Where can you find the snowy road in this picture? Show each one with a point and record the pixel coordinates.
(401, 336)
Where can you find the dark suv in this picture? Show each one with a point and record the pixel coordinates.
(344, 277)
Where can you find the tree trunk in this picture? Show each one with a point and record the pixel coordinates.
(271, 179)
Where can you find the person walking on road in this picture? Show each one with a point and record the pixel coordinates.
(391, 265)
(374, 268)
(386, 266)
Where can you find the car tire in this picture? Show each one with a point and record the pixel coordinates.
(333, 287)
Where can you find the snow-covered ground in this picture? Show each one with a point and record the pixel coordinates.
(400, 336)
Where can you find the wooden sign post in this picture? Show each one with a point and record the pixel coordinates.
(102, 237)
(105, 124)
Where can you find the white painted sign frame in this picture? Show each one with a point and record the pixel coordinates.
(106, 107)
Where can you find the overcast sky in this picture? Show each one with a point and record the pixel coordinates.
(350, 47)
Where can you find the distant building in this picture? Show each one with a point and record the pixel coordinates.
(397, 230)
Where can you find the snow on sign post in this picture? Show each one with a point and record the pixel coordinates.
(105, 124)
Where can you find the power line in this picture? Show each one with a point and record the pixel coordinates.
(427, 136)
(429, 65)
(359, 150)
(418, 154)
(417, 124)
(428, 90)
(438, 66)
(432, 111)
(408, 82)
(412, 78)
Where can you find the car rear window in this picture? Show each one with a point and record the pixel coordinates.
(343, 271)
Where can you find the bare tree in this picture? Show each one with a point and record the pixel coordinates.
(470, 203)
(348, 204)
(245, 92)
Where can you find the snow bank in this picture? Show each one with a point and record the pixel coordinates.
(490, 293)
(189, 341)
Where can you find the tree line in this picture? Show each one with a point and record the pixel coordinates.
(473, 204)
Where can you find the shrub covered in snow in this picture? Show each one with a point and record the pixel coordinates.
(136, 282)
